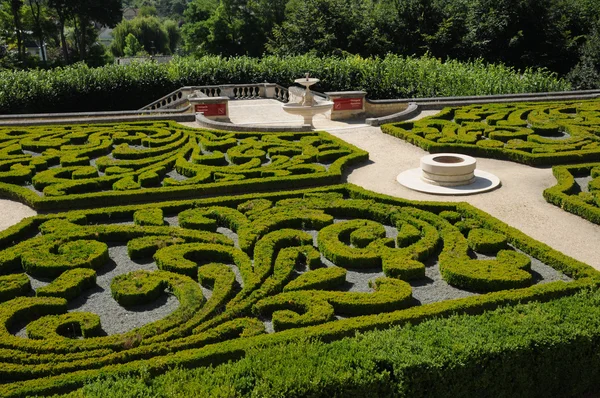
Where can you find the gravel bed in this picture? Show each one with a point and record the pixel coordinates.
(561, 135)
(32, 188)
(116, 319)
(176, 176)
(172, 221)
(31, 153)
(98, 300)
(583, 183)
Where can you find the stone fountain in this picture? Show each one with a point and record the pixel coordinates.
(448, 174)
(308, 106)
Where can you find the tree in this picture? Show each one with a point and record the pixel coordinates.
(82, 13)
(36, 7)
(173, 33)
(230, 27)
(132, 46)
(15, 6)
(149, 31)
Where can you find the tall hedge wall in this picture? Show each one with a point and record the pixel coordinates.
(80, 88)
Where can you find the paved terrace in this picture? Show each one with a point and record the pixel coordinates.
(518, 202)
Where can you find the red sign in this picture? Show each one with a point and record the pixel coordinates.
(212, 109)
(347, 104)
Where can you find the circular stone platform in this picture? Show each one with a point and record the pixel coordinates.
(448, 174)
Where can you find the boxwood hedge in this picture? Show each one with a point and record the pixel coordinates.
(267, 262)
(75, 166)
(536, 134)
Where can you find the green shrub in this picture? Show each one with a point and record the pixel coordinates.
(510, 137)
(140, 174)
(485, 241)
(267, 257)
(149, 217)
(13, 285)
(69, 284)
(125, 87)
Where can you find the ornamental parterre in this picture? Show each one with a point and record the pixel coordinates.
(530, 133)
(199, 282)
(75, 166)
(577, 190)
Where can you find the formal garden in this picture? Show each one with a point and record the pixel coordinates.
(173, 260)
(166, 259)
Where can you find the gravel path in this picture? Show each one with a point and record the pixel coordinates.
(12, 213)
(518, 202)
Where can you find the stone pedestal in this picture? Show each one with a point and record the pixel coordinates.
(448, 169)
(214, 108)
(347, 104)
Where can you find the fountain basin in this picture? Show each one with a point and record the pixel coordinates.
(307, 81)
(448, 174)
(448, 169)
(308, 112)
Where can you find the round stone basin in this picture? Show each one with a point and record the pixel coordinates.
(448, 174)
(307, 112)
(448, 169)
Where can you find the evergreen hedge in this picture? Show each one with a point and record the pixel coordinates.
(81, 88)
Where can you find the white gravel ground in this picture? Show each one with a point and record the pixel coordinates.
(13, 212)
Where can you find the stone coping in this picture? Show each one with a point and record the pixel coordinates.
(492, 98)
(210, 100)
(91, 114)
(203, 121)
(410, 112)
(346, 94)
(180, 117)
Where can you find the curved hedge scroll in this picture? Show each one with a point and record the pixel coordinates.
(250, 270)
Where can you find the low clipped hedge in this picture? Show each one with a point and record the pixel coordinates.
(268, 253)
(93, 174)
(536, 134)
(529, 350)
(69, 284)
(567, 195)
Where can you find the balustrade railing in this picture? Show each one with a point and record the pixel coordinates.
(179, 98)
(281, 93)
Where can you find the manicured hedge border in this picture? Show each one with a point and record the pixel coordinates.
(529, 350)
(492, 148)
(349, 155)
(215, 352)
(563, 193)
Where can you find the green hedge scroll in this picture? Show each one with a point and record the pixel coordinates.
(248, 271)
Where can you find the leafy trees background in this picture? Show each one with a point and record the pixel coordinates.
(560, 35)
